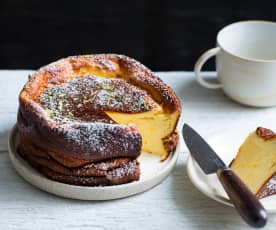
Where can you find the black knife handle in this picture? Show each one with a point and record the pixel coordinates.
(246, 203)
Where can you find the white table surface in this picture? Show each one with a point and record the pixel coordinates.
(174, 204)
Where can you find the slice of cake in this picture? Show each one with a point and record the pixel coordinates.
(255, 162)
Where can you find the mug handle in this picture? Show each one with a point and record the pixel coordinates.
(198, 65)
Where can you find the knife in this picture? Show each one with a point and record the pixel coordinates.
(245, 202)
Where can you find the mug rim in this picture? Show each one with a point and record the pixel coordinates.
(240, 56)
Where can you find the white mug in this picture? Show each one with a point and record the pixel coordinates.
(245, 62)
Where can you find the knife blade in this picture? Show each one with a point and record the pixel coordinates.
(245, 202)
(204, 155)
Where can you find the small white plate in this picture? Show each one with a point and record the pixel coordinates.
(226, 145)
(152, 173)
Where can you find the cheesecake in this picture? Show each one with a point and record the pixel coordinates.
(85, 120)
(255, 162)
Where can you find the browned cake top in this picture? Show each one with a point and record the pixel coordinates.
(85, 98)
(266, 134)
(104, 65)
(62, 106)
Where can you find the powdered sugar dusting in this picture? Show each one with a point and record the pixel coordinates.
(85, 99)
(269, 189)
(122, 171)
(271, 185)
(102, 138)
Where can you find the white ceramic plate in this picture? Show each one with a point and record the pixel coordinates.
(226, 145)
(152, 173)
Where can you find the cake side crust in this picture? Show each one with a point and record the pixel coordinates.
(64, 70)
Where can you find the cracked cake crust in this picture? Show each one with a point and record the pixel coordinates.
(76, 138)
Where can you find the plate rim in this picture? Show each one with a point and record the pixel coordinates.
(190, 168)
(193, 176)
(114, 191)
